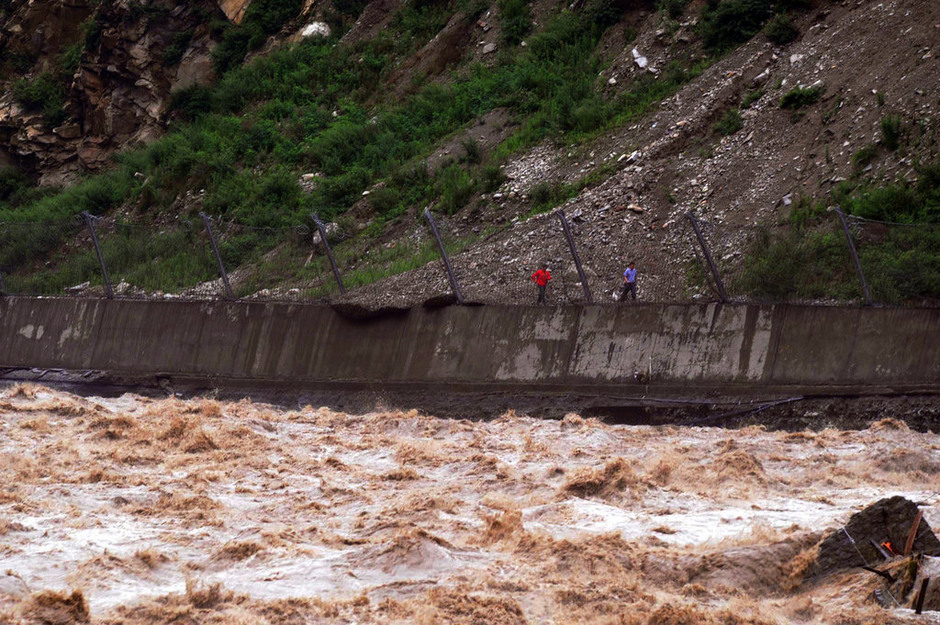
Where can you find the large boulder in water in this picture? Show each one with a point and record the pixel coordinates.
(887, 520)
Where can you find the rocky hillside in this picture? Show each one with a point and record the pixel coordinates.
(754, 115)
(83, 79)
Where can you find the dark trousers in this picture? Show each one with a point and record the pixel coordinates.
(541, 299)
(628, 287)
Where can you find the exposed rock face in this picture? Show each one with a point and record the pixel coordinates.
(123, 82)
(42, 27)
(234, 9)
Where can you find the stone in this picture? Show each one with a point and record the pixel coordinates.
(78, 288)
(636, 208)
(315, 29)
(234, 9)
(489, 48)
(639, 59)
(331, 229)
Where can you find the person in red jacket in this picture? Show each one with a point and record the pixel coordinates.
(541, 278)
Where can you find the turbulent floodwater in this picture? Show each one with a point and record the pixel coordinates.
(134, 510)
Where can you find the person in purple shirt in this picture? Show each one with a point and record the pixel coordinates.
(629, 282)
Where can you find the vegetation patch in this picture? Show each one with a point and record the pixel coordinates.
(44, 94)
(892, 129)
(674, 9)
(262, 19)
(809, 259)
(801, 97)
(781, 30)
(515, 20)
(864, 156)
(177, 47)
(727, 23)
(730, 123)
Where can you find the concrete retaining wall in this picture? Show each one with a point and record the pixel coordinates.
(671, 345)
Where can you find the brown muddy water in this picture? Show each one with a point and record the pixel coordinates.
(134, 510)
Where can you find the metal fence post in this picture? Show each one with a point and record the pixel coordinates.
(708, 257)
(858, 264)
(89, 221)
(218, 257)
(574, 254)
(440, 245)
(329, 252)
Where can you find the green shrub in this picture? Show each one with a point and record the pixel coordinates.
(91, 29)
(12, 183)
(262, 19)
(798, 265)
(177, 47)
(728, 23)
(781, 31)
(897, 202)
(515, 20)
(192, 102)
(864, 156)
(70, 59)
(278, 110)
(419, 20)
(928, 186)
(730, 123)
(547, 195)
(588, 116)
(349, 8)
(891, 130)
(455, 188)
(473, 151)
(801, 97)
(902, 263)
(542, 194)
(805, 212)
(672, 8)
(492, 177)
(231, 51)
(271, 15)
(793, 5)
(384, 200)
(44, 93)
(751, 97)
(603, 13)
(21, 62)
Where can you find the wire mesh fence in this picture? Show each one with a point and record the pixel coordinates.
(197, 257)
(900, 261)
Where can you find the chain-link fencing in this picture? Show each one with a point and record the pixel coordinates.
(685, 259)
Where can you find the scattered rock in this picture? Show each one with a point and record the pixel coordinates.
(639, 59)
(78, 288)
(316, 29)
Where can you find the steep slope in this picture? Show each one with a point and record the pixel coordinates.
(736, 182)
(627, 115)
